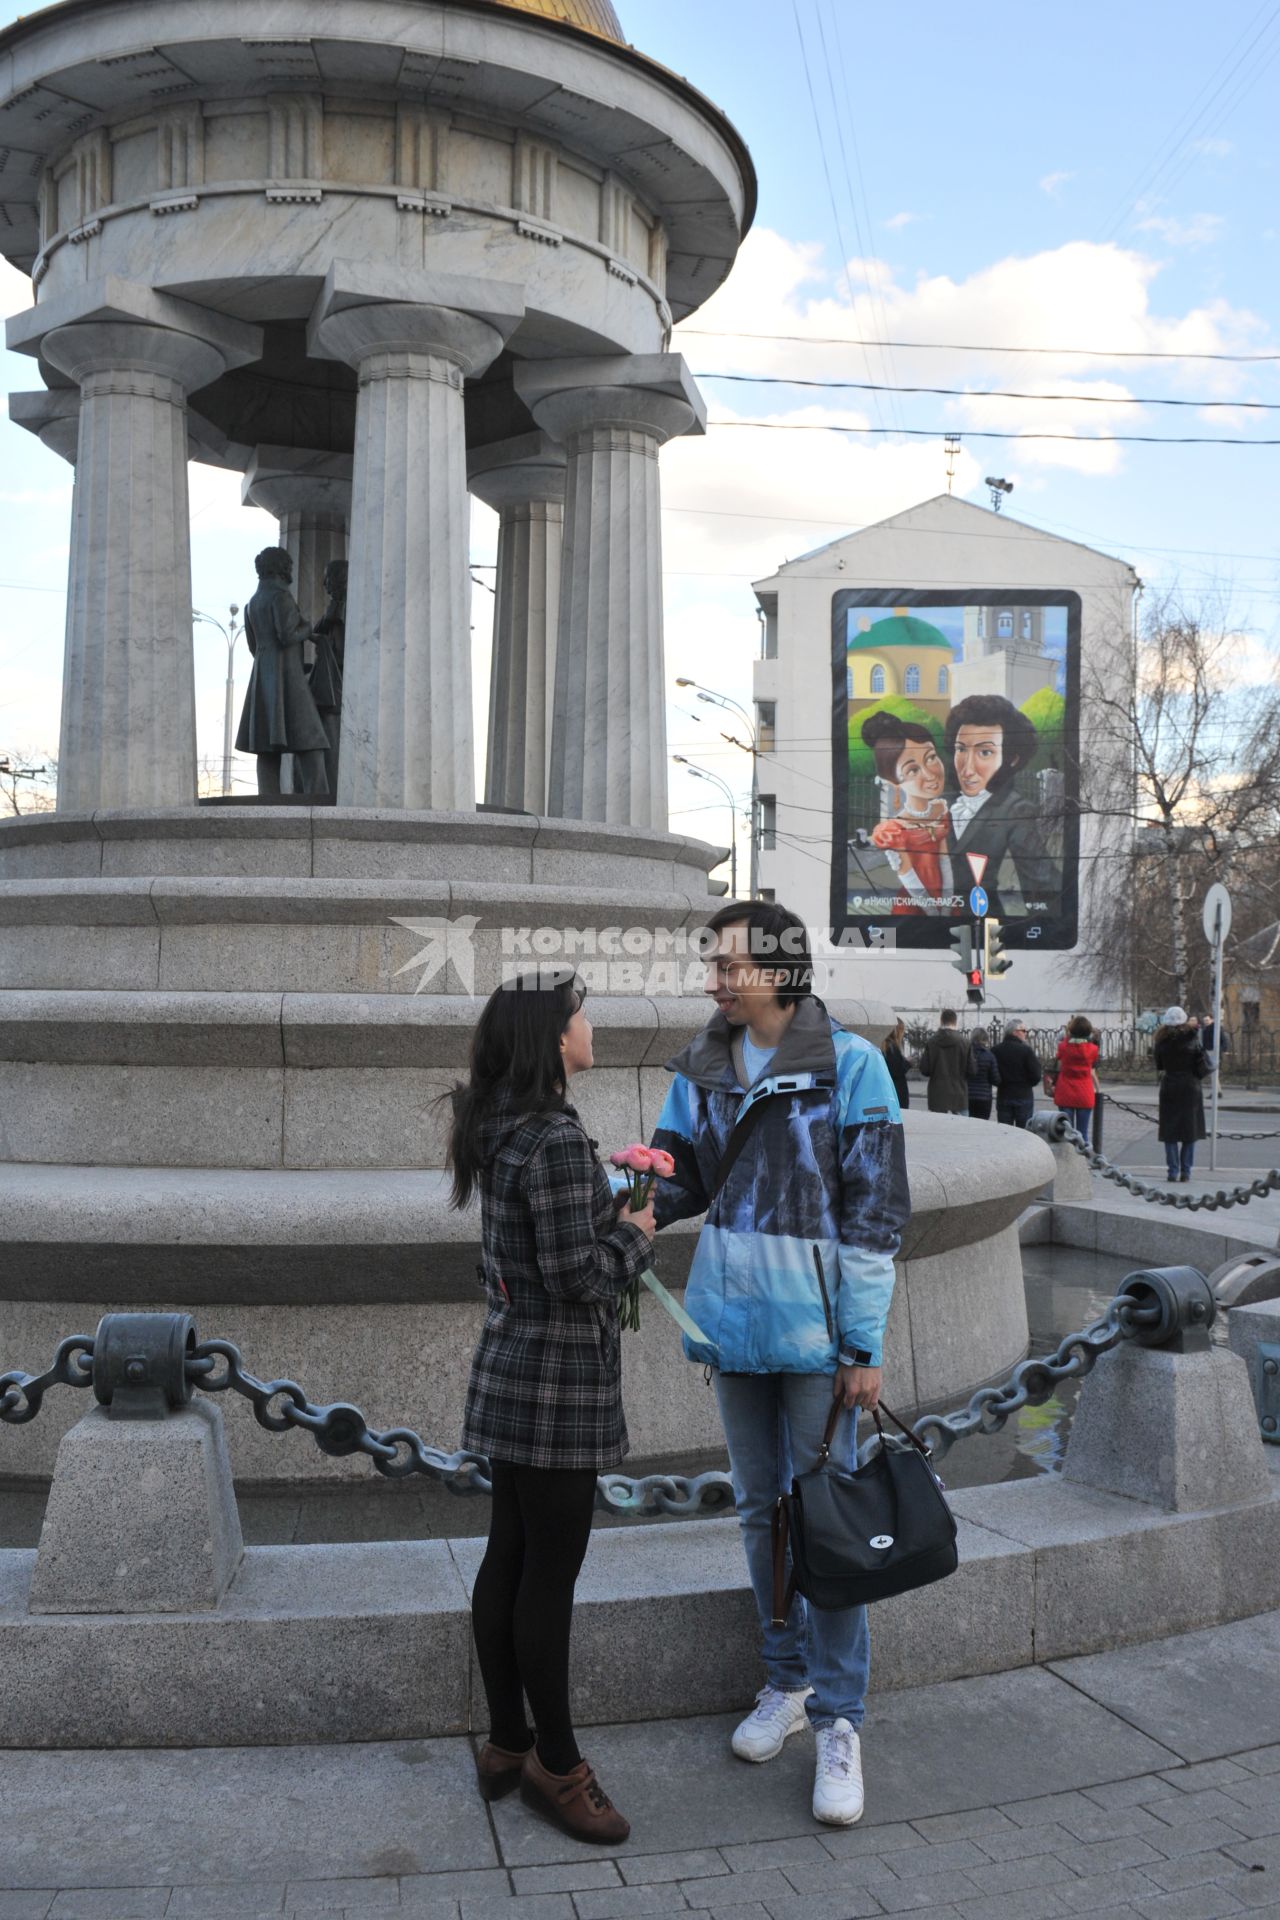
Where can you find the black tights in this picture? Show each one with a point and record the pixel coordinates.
(522, 1604)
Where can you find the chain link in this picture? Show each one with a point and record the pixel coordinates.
(1186, 1202)
(1033, 1380)
(21, 1394)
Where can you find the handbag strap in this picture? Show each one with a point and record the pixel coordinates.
(743, 1128)
(784, 1590)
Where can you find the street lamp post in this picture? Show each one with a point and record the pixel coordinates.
(700, 773)
(230, 635)
(715, 699)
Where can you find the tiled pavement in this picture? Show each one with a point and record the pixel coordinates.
(1142, 1782)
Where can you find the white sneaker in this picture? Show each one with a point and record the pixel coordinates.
(837, 1779)
(775, 1717)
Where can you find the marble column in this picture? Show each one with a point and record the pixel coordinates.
(609, 743)
(406, 720)
(128, 735)
(309, 493)
(523, 479)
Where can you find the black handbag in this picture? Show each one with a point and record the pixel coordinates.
(865, 1535)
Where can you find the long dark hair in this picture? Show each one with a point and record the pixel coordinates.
(993, 710)
(515, 1056)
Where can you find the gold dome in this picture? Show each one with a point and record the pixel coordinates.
(595, 16)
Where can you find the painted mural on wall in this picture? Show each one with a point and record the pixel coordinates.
(954, 736)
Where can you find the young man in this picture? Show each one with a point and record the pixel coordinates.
(790, 1285)
(944, 1062)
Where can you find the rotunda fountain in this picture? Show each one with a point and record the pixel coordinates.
(371, 257)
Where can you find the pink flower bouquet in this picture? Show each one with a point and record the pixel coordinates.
(643, 1166)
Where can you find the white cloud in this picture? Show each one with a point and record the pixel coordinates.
(1201, 230)
(1052, 183)
(1213, 149)
(896, 221)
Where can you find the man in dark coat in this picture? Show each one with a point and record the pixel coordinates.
(280, 713)
(989, 740)
(944, 1062)
(1020, 1072)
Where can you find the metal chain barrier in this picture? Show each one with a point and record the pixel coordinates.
(1033, 1381)
(151, 1362)
(1138, 1114)
(279, 1405)
(21, 1394)
(1060, 1128)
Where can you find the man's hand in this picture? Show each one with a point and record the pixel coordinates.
(857, 1387)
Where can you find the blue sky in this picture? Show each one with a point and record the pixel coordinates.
(1047, 177)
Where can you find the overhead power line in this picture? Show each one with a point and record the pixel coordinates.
(1015, 434)
(986, 393)
(969, 346)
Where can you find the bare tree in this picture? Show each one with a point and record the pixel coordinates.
(28, 783)
(1181, 773)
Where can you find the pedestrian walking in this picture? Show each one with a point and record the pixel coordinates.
(944, 1063)
(1020, 1074)
(898, 1061)
(982, 1076)
(1181, 1064)
(544, 1400)
(786, 1131)
(1075, 1080)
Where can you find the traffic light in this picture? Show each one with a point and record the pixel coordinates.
(995, 959)
(975, 986)
(961, 939)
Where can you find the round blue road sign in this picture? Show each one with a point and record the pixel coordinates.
(978, 902)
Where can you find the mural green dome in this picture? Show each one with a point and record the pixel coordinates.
(899, 630)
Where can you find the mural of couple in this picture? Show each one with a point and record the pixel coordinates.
(954, 738)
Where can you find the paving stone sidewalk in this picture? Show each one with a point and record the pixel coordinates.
(1142, 1782)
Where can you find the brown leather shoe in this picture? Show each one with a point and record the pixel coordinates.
(497, 1771)
(575, 1802)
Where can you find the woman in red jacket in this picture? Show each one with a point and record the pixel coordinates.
(1076, 1084)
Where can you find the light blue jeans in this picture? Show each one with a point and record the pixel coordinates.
(773, 1423)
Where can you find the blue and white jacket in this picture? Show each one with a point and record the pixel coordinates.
(794, 1264)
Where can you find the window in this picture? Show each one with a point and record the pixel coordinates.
(944, 680)
(1250, 1012)
(1026, 626)
(767, 803)
(767, 723)
(848, 683)
(1004, 626)
(877, 679)
(982, 623)
(912, 681)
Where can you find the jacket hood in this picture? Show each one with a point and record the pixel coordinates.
(805, 1047)
(949, 1037)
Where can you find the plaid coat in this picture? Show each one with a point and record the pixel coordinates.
(546, 1379)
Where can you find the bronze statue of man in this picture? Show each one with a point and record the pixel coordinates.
(280, 713)
(329, 634)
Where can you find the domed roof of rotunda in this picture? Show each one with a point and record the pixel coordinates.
(596, 16)
(899, 630)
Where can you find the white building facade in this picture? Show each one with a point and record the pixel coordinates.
(943, 546)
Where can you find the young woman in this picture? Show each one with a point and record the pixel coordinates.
(914, 837)
(983, 1075)
(1075, 1087)
(1181, 1064)
(544, 1400)
(897, 1059)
